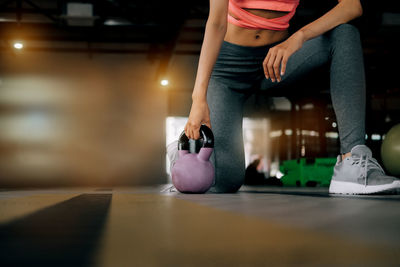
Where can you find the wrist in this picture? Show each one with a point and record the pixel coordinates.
(199, 99)
(199, 96)
(301, 34)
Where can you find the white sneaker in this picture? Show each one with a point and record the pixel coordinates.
(172, 153)
(361, 174)
(169, 189)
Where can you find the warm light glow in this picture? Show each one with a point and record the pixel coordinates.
(18, 45)
(288, 132)
(333, 135)
(164, 82)
(375, 137)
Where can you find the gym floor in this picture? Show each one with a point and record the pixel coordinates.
(151, 226)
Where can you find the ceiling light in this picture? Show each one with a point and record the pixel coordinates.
(164, 82)
(18, 45)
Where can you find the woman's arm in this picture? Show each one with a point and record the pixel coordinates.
(214, 35)
(278, 56)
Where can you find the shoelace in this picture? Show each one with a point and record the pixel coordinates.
(368, 163)
(169, 189)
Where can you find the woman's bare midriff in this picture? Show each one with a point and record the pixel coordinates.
(249, 37)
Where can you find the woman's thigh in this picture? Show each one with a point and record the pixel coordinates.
(226, 114)
(313, 54)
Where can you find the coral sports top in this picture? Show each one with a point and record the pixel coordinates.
(248, 20)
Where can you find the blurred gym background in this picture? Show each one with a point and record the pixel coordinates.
(91, 92)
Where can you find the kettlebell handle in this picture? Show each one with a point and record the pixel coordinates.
(205, 133)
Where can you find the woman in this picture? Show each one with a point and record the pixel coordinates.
(246, 48)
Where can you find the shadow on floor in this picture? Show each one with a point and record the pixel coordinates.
(65, 234)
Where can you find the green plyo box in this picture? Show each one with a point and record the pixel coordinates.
(307, 171)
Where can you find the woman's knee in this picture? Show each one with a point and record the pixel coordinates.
(345, 32)
(228, 186)
(229, 171)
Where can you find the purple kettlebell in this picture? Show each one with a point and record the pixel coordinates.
(194, 173)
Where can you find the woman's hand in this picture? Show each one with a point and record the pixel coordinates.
(199, 114)
(275, 62)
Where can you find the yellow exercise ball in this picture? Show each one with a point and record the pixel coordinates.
(390, 150)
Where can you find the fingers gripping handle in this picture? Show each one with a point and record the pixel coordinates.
(205, 133)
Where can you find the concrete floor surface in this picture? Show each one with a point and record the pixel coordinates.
(151, 226)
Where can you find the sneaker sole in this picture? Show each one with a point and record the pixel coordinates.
(347, 188)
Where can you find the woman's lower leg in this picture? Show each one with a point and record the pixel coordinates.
(347, 82)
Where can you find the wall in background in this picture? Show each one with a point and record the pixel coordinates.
(71, 119)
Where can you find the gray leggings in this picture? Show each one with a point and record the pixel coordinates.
(238, 73)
